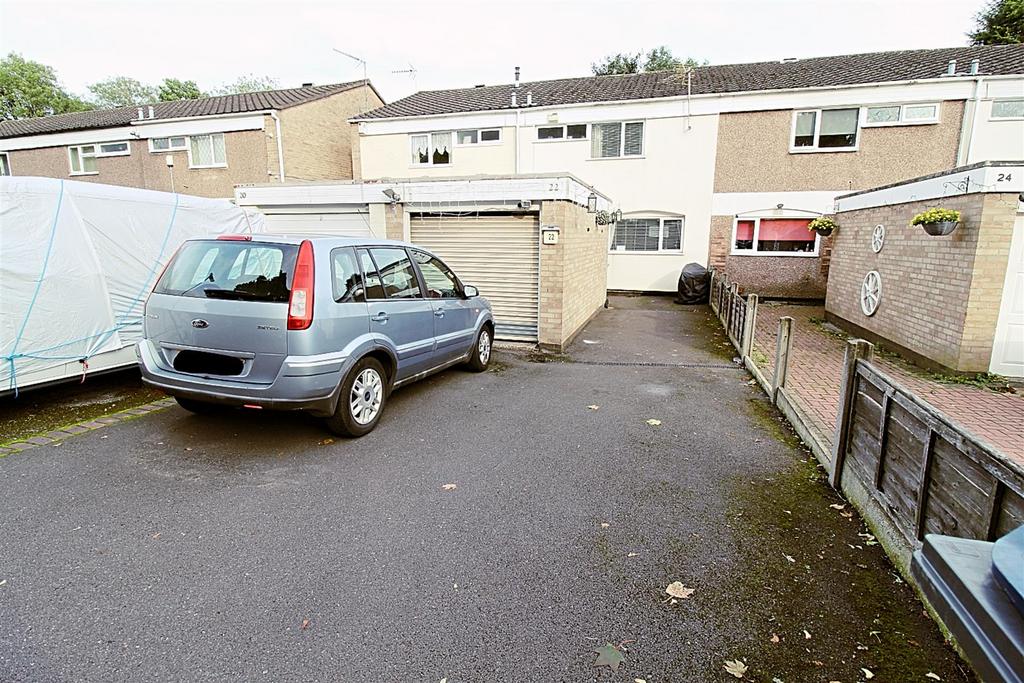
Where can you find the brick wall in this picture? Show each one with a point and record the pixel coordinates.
(317, 137)
(245, 156)
(940, 295)
(573, 273)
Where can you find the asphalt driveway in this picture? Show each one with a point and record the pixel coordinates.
(255, 546)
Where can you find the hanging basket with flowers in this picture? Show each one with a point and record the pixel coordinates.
(823, 225)
(937, 221)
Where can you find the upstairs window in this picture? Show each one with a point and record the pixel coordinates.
(207, 151)
(1008, 109)
(648, 234)
(610, 140)
(431, 149)
(900, 114)
(573, 131)
(478, 137)
(774, 236)
(5, 164)
(825, 129)
(83, 159)
(175, 144)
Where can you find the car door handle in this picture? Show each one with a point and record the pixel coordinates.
(439, 312)
(381, 317)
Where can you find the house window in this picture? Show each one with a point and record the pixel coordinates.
(622, 139)
(1008, 109)
(431, 149)
(475, 137)
(83, 159)
(5, 164)
(113, 149)
(574, 131)
(207, 151)
(774, 236)
(175, 144)
(900, 114)
(825, 129)
(648, 234)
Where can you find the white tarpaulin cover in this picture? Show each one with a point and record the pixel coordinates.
(77, 261)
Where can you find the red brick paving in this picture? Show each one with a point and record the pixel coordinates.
(815, 373)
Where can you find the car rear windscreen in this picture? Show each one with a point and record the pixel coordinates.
(227, 269)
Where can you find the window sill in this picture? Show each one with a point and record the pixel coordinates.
(773, 254)
(80, 173)
(997, 119)
(418, 166)
(213, 166)
(821, 150)
(550, 140)
(169, 151)
(661, 252)
(895, 124)
(622, 158)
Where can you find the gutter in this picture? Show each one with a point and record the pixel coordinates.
(280, 145)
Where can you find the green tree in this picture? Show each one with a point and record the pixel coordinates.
(248, 83)
(121, 91)
(30, 89)
(1000, 23)
(173, 89)
(657, 59)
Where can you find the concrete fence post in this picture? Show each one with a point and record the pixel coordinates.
(783, 342)
(749, 323)
(856, 349)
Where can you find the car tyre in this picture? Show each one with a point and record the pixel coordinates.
(480, 356)
(197, 407)
(364, 391)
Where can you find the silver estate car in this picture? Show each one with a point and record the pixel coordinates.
(329, 325)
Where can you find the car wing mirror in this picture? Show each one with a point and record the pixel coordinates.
(470, 291)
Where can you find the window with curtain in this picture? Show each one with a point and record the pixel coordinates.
(431, 149)
(825, 129)
(207, 151)
(608, 140)
(648, 234)
(774, 236)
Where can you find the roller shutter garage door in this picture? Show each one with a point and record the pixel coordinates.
(499, 255)
(347, 223)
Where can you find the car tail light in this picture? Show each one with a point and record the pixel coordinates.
(235, 238)
(300, 304)
(164, 269)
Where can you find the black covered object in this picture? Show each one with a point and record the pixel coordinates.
(694, 284)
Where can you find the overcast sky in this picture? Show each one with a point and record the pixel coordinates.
(450, 43)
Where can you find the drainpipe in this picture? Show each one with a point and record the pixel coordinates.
(518, 124)
(967, 130)
(280, 145)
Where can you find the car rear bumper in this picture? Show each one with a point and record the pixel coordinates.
(308, 383)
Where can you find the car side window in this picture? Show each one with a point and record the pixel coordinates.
(440, 280)
(371, 281)
(397, 275)
(347, 278)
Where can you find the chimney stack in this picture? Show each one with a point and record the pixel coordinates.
(951, 68)
(975, 66)
(516, 85)
(529, 99)
(151, 111)
(513, 98)
(140, 114)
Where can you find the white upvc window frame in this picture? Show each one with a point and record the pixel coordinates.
(5, 166)
(753, 251)
(479, 141)
(622, 140)
(814, 149)
(430, 141)
(127, 152)
(565, 133)
(182, 148)
(992, 117)
(901, 121)
(612, 249)
(81, 159)
(191, 163)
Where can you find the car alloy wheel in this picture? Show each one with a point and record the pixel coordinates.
(483, 347)
(366, 396)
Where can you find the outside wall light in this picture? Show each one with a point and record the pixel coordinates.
(392, 195)
(592, 203)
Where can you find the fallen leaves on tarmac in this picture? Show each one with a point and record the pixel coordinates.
(609, 655)
(653, 422)
(735, 668)
(677, 590)
(450, 487)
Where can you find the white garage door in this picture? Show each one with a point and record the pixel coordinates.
(346, 223)
(497, 254)
(1008, 347)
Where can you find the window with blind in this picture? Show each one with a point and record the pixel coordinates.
(648, 234)
(619, 139)
(207, 151)
(431, 149)
(825, 129)
(777, 236)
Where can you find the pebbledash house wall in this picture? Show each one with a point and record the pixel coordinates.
(573, 273)
(940, 295)
(753, 159)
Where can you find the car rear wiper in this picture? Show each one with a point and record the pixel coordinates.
(208, 278)
(236, 294)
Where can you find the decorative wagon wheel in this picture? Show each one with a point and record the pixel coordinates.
(877, 238)
(871, 293)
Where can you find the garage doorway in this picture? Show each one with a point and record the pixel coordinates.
(496, 252)
(351, 221)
